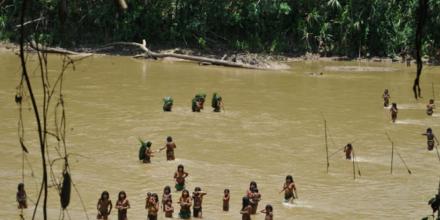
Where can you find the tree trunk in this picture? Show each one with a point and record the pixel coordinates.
(421, 18)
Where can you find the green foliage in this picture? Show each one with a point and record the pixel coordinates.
(329, 27)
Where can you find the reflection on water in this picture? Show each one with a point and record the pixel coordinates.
(272, 127)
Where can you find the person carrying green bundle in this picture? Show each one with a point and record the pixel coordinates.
(197, 102)
(167, 103)
(217, 102)
(145, 152)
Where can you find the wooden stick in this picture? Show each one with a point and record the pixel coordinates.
(392, 151)
(354, 170)
(436, 148)
(401, 158)
(357, 164)
(326, 143)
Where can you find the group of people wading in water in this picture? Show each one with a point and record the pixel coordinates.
(197, 103)
(431, 138)
(186, 201)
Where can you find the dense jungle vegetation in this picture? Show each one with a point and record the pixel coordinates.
(328, 27)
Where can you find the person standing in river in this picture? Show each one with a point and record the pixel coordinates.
(198, 200)
(217, 102)
(185, 205)
(431, 139)
(246, 209)
(170, 146)
(254, 196)
(198, 102)
(104, 206)
(152, 205)
(268, 211)
(348, 149)
(166, 196)
(289, 189)
(179, 177)
(145, 152)
(122, 205)
(386, 98)
(430, 107)
(226, 198)
(21, 197)
(394, 112)
(167, 103)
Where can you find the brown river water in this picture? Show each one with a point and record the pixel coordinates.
(273, 126)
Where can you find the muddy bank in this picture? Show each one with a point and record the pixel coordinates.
(270, 61)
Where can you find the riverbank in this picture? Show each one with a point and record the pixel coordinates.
(273, 61)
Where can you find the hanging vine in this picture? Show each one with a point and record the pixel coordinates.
(51, 105)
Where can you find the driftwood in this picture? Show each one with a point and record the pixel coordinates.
(45, 49)
(202, 60)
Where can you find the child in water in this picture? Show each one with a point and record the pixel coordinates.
(169, 209)
(386, 98)
(104, 206)
(246, 209)
(226, 198)
(348, 150)
(166, 196)
(289, 188)
(21, 197)
(170, 146)
(152, 205)
(268, 211)
(122, 205)
(179, 177)
(430, 107)
(254, 196)
(430, 139)
(185, 205)
(394, 112)
(198, 199)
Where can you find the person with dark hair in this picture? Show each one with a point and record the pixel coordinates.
(185, 205)
(122, 205)
(179, 177)
(166, 196)
(394, 112)
(289, 188)
(386, 98)
(431, 139)
(348, 149)
(217, 102)
(21, 196)
(246, 209)
(145, 152)
(430, 107)
(198, 200)
(104, 206)
(254, 196)
(268, 211)
(226, 198)
(169, 209)
(198, 102)
(170, 146)
(152, 205)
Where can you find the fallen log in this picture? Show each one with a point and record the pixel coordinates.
(45, 49)
(200, 59)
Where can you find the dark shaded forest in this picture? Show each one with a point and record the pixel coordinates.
(328, 27)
